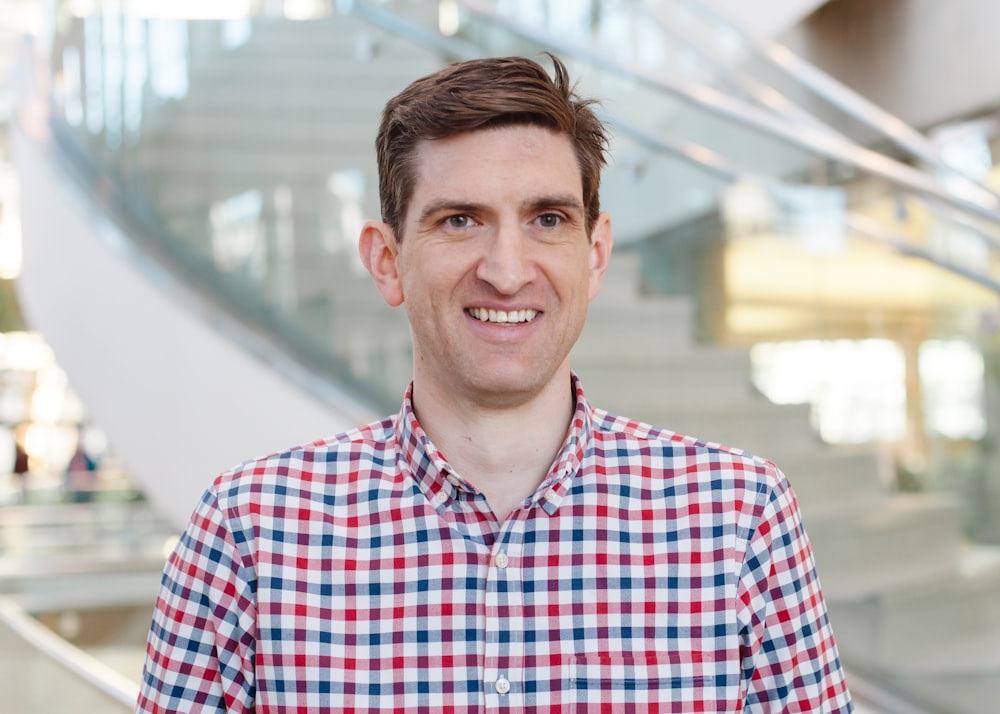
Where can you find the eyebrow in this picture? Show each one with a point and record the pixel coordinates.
(445, 205)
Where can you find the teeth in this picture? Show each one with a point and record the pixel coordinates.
(502, 317)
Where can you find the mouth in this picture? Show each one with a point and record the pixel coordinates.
(502, 317)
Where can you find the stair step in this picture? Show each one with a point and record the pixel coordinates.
(265, 164)
(962, 678)
(906, 540)
(758, 427)
(208, 126)
(893, 628)
(644, 380)
(833, 480)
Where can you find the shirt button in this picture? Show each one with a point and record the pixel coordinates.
(502, 685)
(501, 560)
(440, 497)
(551, 495)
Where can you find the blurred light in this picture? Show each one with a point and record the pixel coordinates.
(952, 375)
(10, 243)
(236, 229)
(168, 546)
(856, 387)
(178, 9)
(305, 9)
(448, 21)
(50, 446)
(25, 17)
(25, 351)
(71, 84)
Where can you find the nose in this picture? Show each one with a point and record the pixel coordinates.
(506, 263)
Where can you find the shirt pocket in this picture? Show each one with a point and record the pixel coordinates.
(628, 681)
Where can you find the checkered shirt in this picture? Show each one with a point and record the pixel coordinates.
(650, 572)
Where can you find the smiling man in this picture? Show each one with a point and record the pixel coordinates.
(499, 544)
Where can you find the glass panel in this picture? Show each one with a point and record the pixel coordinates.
(242, 149)
(239, 149)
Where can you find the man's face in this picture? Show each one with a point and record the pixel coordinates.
(494, 266)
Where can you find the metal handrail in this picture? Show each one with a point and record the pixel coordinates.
(810, 138)
(712, 162)
(93, 672)
(840, 96)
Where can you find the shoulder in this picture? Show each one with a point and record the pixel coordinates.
(681, 460)
(365, 452)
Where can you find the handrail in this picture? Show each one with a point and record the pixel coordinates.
(762, 93)
(810, 138)
(92, 671)
(841, 96)
(450, 47)
(712, 162)
(701, 157)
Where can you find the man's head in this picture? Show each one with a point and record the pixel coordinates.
(483, 94)
(491, 237)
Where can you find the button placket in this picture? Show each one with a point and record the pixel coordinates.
(505, 621)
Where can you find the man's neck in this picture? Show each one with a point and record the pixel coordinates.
(505, 453)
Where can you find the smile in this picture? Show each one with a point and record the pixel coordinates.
(502, 317)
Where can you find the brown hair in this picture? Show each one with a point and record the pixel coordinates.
(484, 94)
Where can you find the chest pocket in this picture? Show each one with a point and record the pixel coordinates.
(630, 681)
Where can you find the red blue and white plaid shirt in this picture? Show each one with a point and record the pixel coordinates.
(650, 572)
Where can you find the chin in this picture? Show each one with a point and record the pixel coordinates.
(509, 388)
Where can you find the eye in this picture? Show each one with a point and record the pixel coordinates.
(549, 220)
(458, 221)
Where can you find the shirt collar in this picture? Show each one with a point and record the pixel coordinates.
(421, 460)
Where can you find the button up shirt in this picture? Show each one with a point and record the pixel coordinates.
(649, 572)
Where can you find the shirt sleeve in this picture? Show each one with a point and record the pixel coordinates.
(201, 645)
(790, 661)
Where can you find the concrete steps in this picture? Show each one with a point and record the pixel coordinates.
(645, 380)
(936, 641)
(906, 540)
(832, 480)
(954, 611)
(889, 563)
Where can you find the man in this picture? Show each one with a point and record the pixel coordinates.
(499, 545)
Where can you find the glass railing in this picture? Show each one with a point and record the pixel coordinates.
(239, 151)
(242, 148)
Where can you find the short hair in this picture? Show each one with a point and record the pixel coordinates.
(484, 94)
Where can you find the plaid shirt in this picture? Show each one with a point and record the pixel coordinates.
(648, 572)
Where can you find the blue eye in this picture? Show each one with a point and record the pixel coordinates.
(549, 220)
(460, 221)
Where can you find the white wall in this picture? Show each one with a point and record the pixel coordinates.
(765, 19)
(179, 400)
(926, 61)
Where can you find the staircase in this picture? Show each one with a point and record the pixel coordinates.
(909, 602)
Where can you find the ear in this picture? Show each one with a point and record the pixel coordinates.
(601, 242)
(380, 254)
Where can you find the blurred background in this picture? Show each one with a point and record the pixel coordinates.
(807, 224)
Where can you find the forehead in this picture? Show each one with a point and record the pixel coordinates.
(527, 157)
